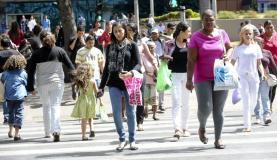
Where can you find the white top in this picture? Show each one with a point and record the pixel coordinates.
(159, 48)
(247, 56)
(31, 24)
(92, 56)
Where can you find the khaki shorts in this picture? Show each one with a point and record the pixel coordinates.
(150, 94)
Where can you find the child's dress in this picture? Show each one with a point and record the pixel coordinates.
(85, 106)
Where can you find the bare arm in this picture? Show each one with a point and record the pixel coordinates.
(192, 57)
(261, 69)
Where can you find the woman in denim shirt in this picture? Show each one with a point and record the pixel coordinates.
(15, 80)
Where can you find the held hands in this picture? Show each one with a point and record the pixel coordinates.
(100, 93)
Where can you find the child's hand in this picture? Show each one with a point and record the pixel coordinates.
(100, 93)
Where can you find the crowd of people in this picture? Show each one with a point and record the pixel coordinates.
(112, 56)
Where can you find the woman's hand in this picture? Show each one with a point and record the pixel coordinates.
(125, 74)
(189, 85)
(100, 93)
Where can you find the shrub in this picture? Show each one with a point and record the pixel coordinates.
(250, 14)
(227, 15)
(270, 14)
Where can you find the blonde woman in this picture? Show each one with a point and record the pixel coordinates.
(248, 57)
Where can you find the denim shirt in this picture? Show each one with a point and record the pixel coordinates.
(15, 82)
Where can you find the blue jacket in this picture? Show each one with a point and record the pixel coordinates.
(15, 82)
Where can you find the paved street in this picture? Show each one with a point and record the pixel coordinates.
(156, 142)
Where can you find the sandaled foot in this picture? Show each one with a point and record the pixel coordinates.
(10, 135)
(177, 134)
(202, 135)
(140, 128)
(219, 145)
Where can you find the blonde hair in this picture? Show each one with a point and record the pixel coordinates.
(246, 28)
(82, 76)
(15, 62)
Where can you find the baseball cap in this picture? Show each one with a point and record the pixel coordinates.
(155, 30)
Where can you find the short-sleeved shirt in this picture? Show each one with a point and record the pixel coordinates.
(271, 45)
(208, 49)
(246, 57)
(92, 56)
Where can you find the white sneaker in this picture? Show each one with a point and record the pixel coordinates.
(133, 146)
(121, 146)
(258, 121)
(267, 119)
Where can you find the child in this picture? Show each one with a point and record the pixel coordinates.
(86, 102)
(15, 80)
(248, 55)
(150, 92)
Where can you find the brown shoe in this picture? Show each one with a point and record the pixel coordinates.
(202, 135)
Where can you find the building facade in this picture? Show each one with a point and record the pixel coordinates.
(88, 9)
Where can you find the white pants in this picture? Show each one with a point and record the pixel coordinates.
(180, 101)
(51, 97)
(249, 88)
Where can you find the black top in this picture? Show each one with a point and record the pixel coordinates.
(132, 61)
(46, 55)
(179, 62)
(4, 55)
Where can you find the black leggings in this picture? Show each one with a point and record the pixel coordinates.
(272, 92)
(140, 109)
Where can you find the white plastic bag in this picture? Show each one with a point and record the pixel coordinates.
(225, 76)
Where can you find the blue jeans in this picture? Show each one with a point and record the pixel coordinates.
(263, 99)
(5, 111)
(115, 96)
(15, 112)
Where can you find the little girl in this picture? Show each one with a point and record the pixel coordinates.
(15, 80)
(248, 55)
(86, 102)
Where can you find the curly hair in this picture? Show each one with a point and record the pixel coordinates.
(15, 62)
(82, 75)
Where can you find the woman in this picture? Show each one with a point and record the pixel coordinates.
(132, 35)
(263, 97)
(47, 62)
(205, 46)
(122, 58)
(15, 34)
(248, 55)
(270, 43)
(177, 49)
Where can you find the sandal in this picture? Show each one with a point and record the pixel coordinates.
(219, 145)
(177, 134)
(202, 135)
(84, 138)
(10, 135)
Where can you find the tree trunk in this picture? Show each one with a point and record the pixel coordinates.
(67, 19)
(203, 5)
(69, 26)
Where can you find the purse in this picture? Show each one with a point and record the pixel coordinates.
(271, 80)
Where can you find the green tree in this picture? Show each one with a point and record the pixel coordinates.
(192, 4)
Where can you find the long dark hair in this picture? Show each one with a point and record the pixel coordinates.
(121, 25)
(180, 27)
(134, 28)
(14, 31)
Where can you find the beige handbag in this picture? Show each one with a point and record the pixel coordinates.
(271, 80)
